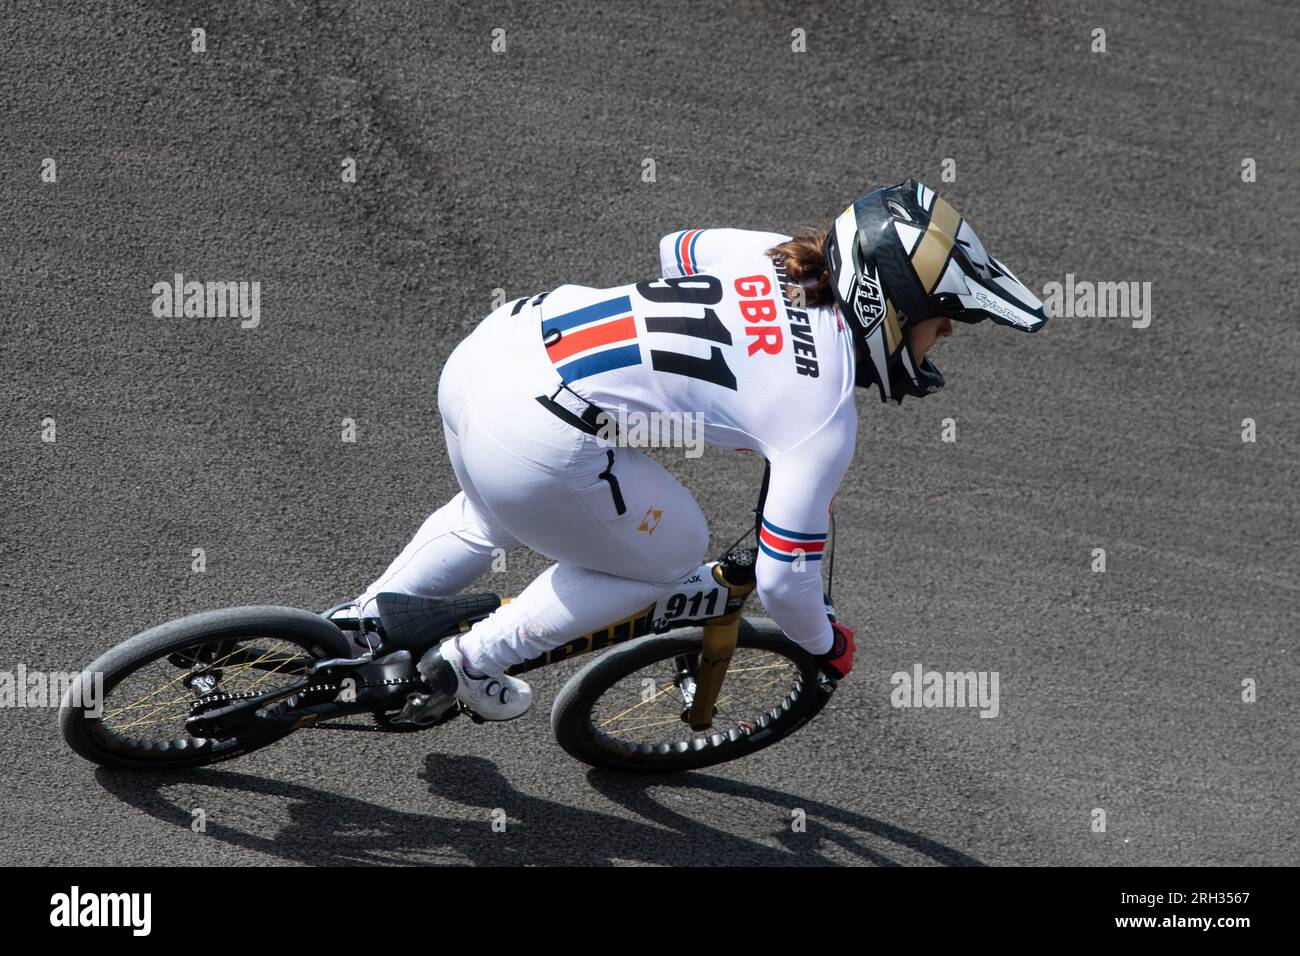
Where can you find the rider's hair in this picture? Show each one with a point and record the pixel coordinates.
(805, 265)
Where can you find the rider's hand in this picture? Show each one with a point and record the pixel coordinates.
(838, 661)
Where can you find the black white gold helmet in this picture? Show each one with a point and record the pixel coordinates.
(900, 255)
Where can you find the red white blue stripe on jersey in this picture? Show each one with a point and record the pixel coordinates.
(684, 247)
(593, 339)
(784, 545)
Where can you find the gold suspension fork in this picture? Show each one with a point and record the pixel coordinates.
(720, 636)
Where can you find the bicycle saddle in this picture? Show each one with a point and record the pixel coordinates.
(416, 623)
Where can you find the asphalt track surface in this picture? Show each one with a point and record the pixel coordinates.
(522, 170)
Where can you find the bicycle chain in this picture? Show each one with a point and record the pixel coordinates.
(222, 697)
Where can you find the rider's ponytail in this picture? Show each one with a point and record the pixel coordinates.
(805, 266)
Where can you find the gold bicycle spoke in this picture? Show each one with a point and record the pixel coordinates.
(658, 723)
(147, 723)
(744, 680)
(266, 674)
(641, 703)
(145, 701)
(145, 717)
(155, 706)
(182, 676)
(774, 680)
(755, 670)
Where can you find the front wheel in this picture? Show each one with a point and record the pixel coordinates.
(625, 710)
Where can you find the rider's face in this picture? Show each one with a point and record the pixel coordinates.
(924, 334)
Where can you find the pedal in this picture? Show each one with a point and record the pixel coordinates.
(424, 709)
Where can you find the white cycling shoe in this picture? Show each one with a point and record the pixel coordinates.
(492, 697)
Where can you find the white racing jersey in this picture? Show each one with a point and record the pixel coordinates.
(716, 335)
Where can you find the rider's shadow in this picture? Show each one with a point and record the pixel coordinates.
(326, 828)
(545, 832)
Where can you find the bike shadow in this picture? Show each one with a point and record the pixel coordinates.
(324, 828)
(825, 825)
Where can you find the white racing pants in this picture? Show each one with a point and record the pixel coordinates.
(529, 478)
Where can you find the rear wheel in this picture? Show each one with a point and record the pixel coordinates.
(154, 682)
(625, 710)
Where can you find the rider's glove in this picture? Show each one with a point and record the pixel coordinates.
(838, 661)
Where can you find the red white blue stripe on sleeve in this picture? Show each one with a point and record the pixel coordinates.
(784, 545)
(684, 247)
